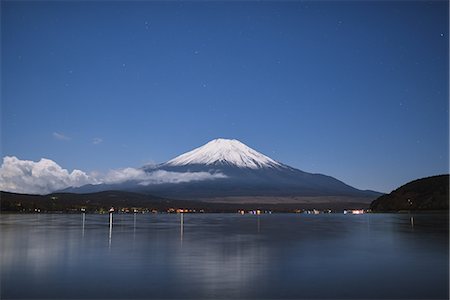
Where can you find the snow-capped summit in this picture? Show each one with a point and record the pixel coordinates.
(225, 152)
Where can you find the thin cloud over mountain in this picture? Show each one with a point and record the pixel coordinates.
(156, 177)
(60, 136)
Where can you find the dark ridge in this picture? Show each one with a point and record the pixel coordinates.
(430, 193)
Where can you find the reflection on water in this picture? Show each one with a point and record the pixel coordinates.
(110, 229)
(181, 227)
(224, 256)
(259, 223)
(134, 225)
(83, 221)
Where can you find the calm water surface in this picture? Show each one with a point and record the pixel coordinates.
(224, 256)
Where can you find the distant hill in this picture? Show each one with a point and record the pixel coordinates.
(430, 193)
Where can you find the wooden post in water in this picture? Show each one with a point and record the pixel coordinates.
(110, 224)
(83, 217)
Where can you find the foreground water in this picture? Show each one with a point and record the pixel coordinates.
(224, 256)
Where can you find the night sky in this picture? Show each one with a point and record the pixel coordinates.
(356, 90)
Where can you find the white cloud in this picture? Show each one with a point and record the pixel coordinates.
(42, 177)
(97, 141)
(157, 177)
(46, 176)
(60, 136)
(161, 176)
(122, 175)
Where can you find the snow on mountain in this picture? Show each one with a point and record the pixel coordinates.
(225, 152)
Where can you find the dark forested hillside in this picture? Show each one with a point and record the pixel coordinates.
(430, 193)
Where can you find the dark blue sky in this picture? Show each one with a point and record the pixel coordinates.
(355, 90)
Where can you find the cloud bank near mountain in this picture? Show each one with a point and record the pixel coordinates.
(156, 177)
(46, 176)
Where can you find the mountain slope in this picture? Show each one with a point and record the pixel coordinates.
(283, 181)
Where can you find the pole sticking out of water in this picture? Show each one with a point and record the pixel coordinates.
(110, 225)
(83, 218)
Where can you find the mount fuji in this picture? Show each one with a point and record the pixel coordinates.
(237, 173)
(224, 152)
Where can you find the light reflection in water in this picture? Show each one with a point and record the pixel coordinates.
(259, 226)
(110, 229)
(181, 228)
(134, 226)
(83, 221)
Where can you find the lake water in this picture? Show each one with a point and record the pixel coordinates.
(224, 256)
